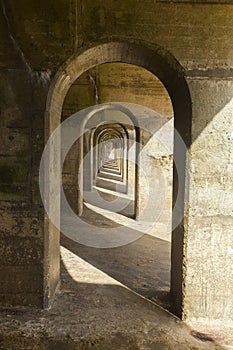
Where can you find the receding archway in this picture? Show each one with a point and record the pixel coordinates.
(167, 69)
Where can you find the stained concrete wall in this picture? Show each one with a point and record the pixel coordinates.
(117, 82)
(199, 35)
(195, 32)
(209, 244)
(23, 96)
(156, 173)
(21, 211)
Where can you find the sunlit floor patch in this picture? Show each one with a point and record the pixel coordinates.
(158, 229)
(83, 272)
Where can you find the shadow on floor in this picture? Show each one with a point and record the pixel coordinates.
(115, 202)
(113, 317)
(143, 266)
(95, 312)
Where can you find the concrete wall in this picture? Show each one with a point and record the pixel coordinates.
(156, 174)
(209, 222)
(117, 82)
(35, 40)
(22, 101)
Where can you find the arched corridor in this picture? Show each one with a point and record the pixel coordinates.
(116, 175)
(113, 193)
(145, 186)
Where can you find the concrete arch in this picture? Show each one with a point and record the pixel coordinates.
(92, 144)
(107, 134)
(111, 133)
(125, 136)
(161, 63)
(89, 113)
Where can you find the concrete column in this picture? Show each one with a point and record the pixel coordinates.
(124, 161)
(88, 164)
(208, 244)
(22, 237)
(131, 166)
(80, 175)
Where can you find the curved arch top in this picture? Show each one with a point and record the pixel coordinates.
(155, 59)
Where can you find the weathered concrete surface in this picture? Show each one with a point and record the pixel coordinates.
(117, 82)
(94, 311)
(209, 241)
(38, 37)
(21, 223)
(197, 33)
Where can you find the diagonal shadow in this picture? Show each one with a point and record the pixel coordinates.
(143, 266)
(117, 318)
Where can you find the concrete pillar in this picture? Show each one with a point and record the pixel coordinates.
(23, 268)
(131, 166)
(88, 163)
(80, 175)
(208, 243)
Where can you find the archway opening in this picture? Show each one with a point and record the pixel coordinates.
(162, 65)
(110, 177)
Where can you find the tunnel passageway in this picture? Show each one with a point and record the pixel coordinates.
(126, 183)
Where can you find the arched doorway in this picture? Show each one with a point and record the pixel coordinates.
(167, 69)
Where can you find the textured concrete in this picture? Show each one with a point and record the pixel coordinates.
(197, 33)
(117, 82)
(210, 215)
(95, 311)
(179, 41)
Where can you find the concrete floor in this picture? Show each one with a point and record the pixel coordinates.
(106, 301)
(94, 311)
